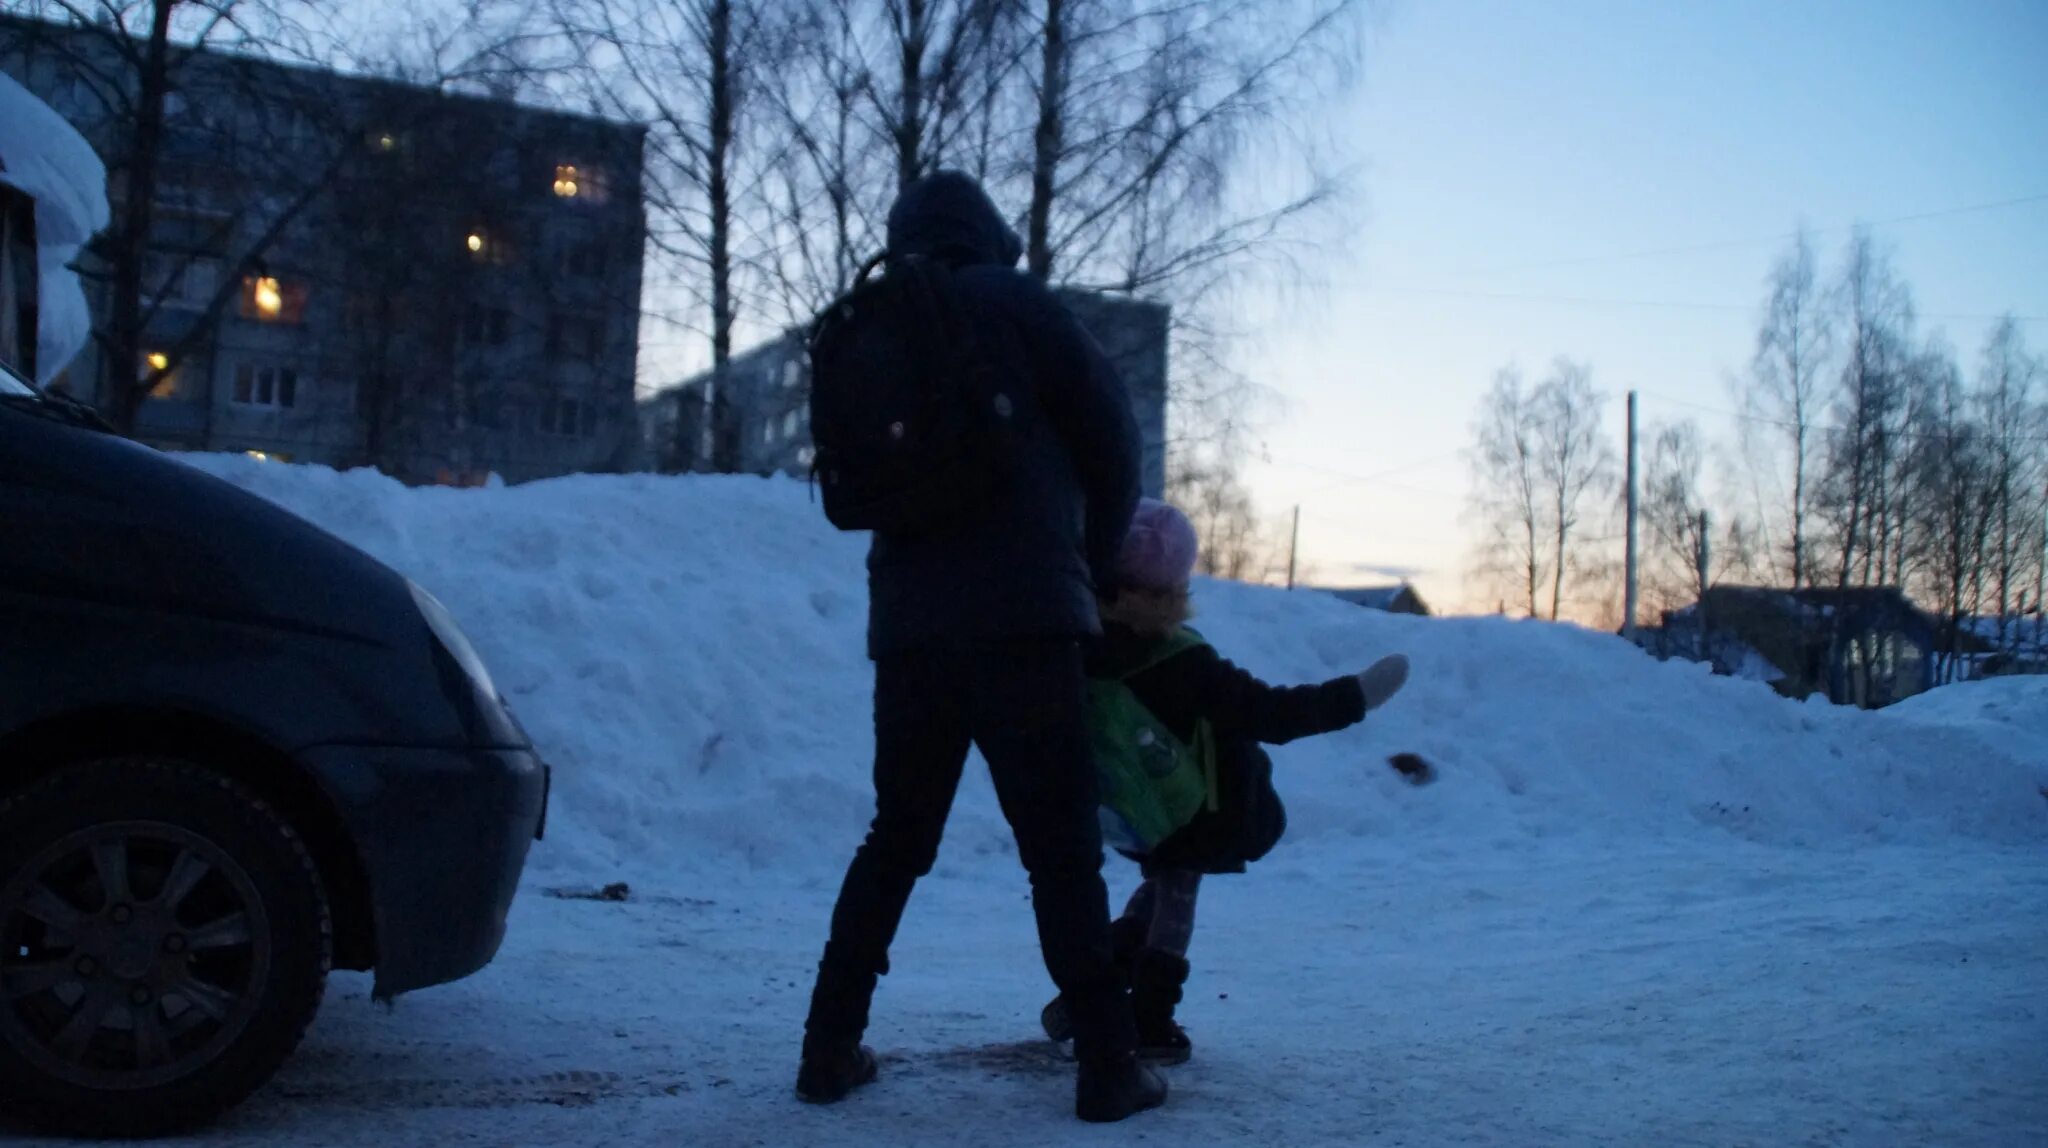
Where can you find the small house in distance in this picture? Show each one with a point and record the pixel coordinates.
(1866, 646)
(1400, 598)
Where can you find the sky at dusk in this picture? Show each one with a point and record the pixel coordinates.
(1611, 181)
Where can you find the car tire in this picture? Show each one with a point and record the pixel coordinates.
(164, 945)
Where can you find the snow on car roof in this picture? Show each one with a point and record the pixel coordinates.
(44, 157)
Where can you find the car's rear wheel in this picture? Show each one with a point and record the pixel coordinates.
(164, 943)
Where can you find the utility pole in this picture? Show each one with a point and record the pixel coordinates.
(1706, 555)
(2041, 582)
(1628, 605)
(1704, 572)
(1293, 545)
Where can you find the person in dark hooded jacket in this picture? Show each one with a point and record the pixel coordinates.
(977, 635)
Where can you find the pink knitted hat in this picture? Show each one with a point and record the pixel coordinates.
(1160, 548)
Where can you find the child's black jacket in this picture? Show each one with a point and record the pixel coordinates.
(1243, 712)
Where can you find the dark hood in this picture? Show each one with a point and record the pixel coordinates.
(947, 215)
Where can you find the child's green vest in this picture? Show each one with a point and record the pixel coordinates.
(1152, 782)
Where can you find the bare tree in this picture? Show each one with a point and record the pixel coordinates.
(1236, 543)
(1951, 510)
(688, 68)
(150, 69)
(1144, 110)
(1857, 492)
(1507, 472)
(194, 226)
(1127, 129)
(1672, 510)
(1575, 462)
(1785, 385)
(2016, 430)
(820, 215)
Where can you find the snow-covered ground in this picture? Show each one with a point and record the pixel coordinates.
(1641, 906)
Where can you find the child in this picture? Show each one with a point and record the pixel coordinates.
(1186, 789)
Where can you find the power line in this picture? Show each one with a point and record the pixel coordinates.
(1378, 478)
(1820, 428)
(1651, 304)
(1758, 241)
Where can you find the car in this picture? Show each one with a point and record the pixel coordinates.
(235, 752)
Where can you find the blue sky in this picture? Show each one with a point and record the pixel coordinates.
(1518, 161)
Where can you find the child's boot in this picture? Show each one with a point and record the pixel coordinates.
(1126, 937)
(1156, 980)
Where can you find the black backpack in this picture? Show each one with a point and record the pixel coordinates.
(908, 420)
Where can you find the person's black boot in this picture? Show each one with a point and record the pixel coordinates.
(835, 1062)
(1126, 937)
(831, 1070)
(1156, 980)
(1117, 1087)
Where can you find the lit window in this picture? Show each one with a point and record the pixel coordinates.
(269, 300)
(387, 142)
(476, 242)
(168, 384)
(268, 296)
(580, 182)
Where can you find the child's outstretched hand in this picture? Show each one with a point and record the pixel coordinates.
(1383, 679)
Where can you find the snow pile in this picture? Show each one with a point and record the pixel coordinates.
(689, 654)
(2010, 713)
(45, 158)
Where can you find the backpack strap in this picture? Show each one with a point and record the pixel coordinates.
(1180, 642)
(1170, 647)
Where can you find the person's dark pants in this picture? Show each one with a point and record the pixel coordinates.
(1024, 706)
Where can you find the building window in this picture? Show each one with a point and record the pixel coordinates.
(570, 418)
(791, 423)
(266, 386)
(575, 337)
(178, 281)
(169, 384)
(584, 260)
(580, 182)
(792, 375)
(267, 299)
(484, 326)
(359, 314)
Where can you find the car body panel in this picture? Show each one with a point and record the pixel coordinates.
(131, 583)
